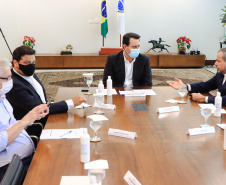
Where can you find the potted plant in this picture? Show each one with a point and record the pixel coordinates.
(182, 44)
(29, 41)
(223, 20)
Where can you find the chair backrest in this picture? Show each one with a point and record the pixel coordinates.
(15, 173)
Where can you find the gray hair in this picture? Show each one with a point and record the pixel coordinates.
(223, 50)
(4, 64)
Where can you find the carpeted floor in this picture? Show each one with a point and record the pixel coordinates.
(53, 80)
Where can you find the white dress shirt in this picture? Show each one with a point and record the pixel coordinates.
(39, 89)
(128, 72)
(22, 145)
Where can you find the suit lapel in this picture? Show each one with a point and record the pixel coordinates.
(122, 65)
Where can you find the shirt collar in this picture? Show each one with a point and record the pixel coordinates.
(125, 60)
(24, 77)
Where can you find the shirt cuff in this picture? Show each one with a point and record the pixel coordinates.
(4, 140)
(70, 104)
(188, 87)
(206, 99)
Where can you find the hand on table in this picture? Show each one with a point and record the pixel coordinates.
(198, 97)
(78, 99)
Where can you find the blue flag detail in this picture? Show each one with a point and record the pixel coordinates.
(103, 9)
(121, 5)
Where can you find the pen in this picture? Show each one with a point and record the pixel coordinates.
(66, 133)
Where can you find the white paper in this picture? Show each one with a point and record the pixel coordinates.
(221, 125)
(203, 130)
(223, 111)
(105, 91)
(97, 165)
(61, 133)
(87, 74)
(75, 180)
(122, 133)
(130, 179)
(172, 101)
(97, 117)
(105, 106)
(145, 91)
(207, 105)
(124, 92)
(168, 109)
(82, 106)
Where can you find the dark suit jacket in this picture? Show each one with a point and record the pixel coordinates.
(24, 98)
(115, 67)
(212, 84)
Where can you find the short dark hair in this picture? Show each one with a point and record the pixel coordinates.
(19, 52)
(127, 37)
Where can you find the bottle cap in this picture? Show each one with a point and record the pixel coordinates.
(109, 77)
(93, 179)
(101, 82)
(218, 94)
(85, 131)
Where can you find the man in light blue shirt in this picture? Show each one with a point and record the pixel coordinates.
(13, 138)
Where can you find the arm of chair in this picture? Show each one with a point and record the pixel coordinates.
(35, 129)
(35, 140)
(15, 173)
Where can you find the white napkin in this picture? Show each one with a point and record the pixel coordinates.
(82, 106)
(105, 106)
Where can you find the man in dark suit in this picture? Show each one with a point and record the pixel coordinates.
(28, 91)
(129, 68)
(217, 82)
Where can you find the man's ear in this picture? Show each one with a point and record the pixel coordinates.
(14, 63)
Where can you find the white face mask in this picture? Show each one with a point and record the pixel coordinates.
(6, 87)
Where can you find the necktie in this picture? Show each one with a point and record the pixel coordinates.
(224, 79)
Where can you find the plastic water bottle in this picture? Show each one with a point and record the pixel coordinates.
(101, 87)
(218, 105)
(93, 180)
(85, 147)
(109, 86)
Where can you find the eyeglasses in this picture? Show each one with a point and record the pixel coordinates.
(7, 79)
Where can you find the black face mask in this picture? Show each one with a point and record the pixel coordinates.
(28, 70)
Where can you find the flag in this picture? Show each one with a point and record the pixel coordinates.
(120, 17)
(104, 22)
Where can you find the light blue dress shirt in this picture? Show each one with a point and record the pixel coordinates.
(22, 145)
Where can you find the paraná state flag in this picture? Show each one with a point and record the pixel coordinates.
(104, 22)
(120, 17)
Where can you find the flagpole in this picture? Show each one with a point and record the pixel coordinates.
(103, 41)
(120, 40)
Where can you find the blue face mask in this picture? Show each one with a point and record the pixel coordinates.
(134, 53)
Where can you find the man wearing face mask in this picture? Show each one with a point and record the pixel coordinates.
(13, 138)
(129, 68)
(28, 91)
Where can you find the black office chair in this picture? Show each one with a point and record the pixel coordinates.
(34, 132)
(15, 173)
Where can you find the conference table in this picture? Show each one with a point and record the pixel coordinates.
(162, 154)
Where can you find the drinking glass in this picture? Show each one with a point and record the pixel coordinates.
(99, 99)
(182, 91)
(206, 112)
(88, 78)
(95, 125)
(99, 173)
